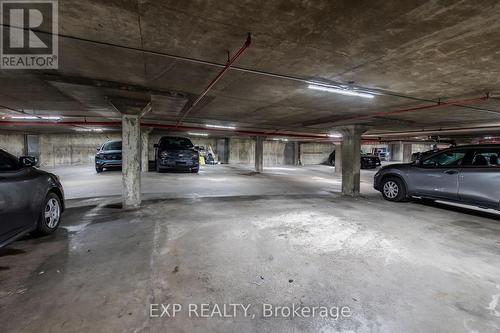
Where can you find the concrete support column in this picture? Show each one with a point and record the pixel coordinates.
(131, 161)
(259, 154)
(407, 149)
(338, 159)
(145, 149)
(296, 153)
(351, 158)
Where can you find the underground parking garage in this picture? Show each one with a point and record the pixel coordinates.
(273, 167)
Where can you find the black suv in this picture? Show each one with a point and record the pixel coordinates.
(176, 153)
(109, 155)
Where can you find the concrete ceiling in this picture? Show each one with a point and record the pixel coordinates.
(422, 51)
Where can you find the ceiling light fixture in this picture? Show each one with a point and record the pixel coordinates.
(342, 91)
(197, 134)
(36, 117)
(334, 135)
(89, 129)
(221, 127)
(280, 139)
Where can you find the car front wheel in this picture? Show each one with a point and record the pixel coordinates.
(50, 216)
(393, 189)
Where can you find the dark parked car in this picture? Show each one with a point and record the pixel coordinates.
(367, 161)
(464, 174)
(109, 155)
(30, 199)
(176, 153)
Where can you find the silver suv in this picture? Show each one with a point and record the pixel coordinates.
(464, 174)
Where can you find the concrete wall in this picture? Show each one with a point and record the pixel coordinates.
(71, 149)
(80, 148)
(417, 148)
(12, 143)
(315, 153)
(368, 148)
(242, 151)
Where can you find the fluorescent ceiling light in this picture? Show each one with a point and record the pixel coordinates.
(90, 129)
(334, 135)
(280, 139)
(341, 91)
(36, 117)
(197, 134)
(221, 127)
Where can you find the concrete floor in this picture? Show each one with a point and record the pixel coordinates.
(82, 182)
(230, 236)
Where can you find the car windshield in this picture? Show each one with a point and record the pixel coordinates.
(176, 143)
(113, 145)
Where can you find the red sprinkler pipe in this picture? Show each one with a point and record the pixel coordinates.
(218, 77)
(425, 107)
(165, 126)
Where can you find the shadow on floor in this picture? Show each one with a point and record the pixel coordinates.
(469, 211)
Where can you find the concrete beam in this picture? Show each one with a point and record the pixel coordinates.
(131, 161)
(259, 154)
(351, 158)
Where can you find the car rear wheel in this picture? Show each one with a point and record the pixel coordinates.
(50, 216)
(393, 189)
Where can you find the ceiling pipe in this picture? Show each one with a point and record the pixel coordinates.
(218, 77)
(420, 108)
(168, 126)
(441, 131)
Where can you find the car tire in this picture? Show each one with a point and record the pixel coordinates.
(50, 215)
(98, 170)
(195, 170)
(394, 189)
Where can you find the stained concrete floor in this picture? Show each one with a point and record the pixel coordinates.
(230, 236)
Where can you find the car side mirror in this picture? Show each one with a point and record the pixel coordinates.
(98, 148)
(27, 161)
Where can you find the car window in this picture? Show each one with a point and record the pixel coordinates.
(8, 162)
(113, 145)
(445, 159)
(176, 143)
(485, 158)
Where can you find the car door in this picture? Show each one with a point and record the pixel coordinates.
(437, 175)
(479, 181)
(15, 202)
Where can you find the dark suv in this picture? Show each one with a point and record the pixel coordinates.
(30, 199)
(464, 174)
(176, 153)
(109, 155)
